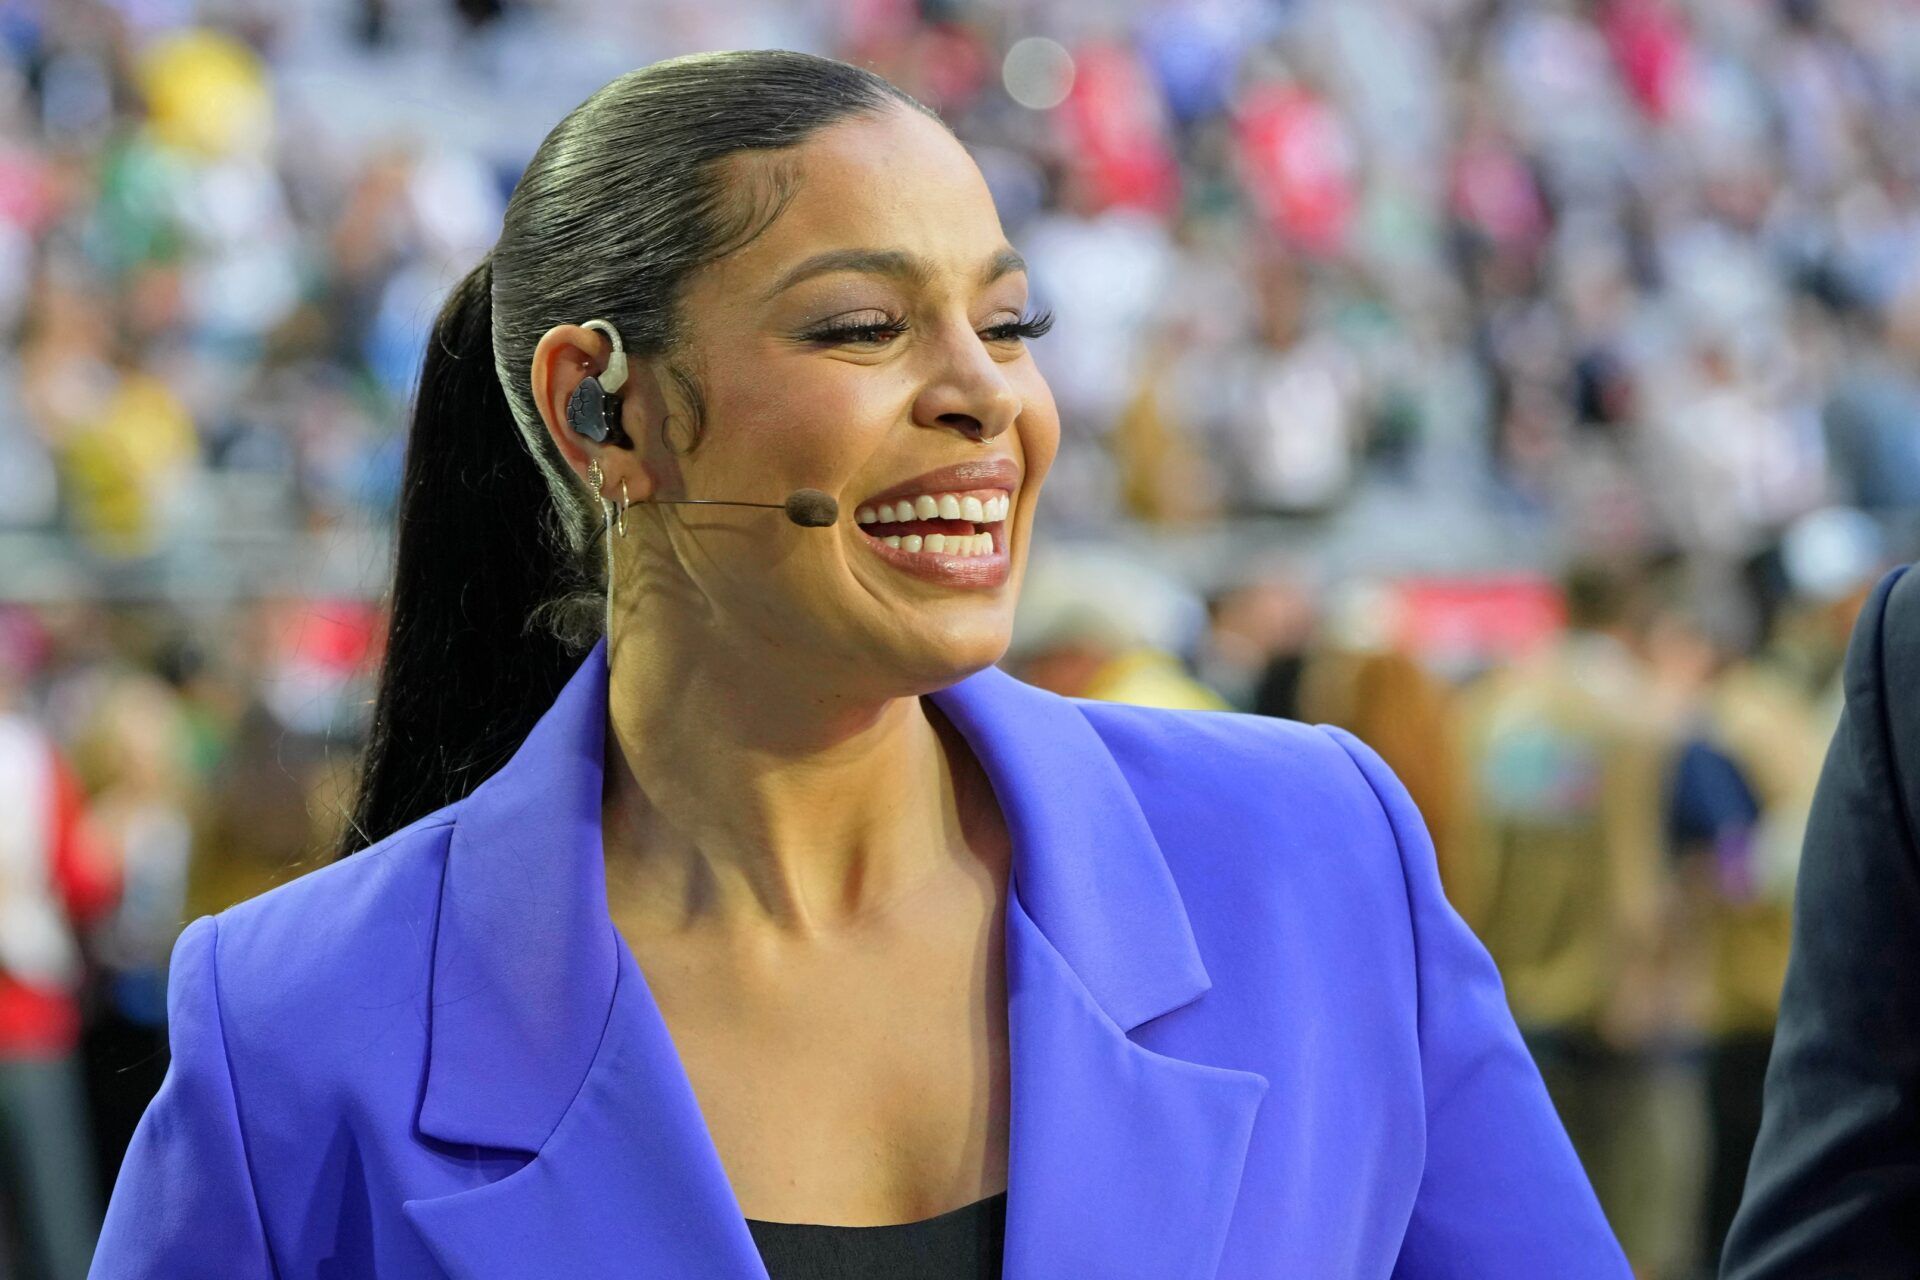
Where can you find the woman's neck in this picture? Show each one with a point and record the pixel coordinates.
(741, 801)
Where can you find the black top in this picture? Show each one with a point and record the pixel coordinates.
(1832, 1189)
(961, 1244)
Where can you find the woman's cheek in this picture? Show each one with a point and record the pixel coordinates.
(1039, 425)
(839, 416)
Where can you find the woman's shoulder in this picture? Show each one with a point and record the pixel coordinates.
(1262, 819)
(1238, 757)
(328, 951)
(1299, 862)
(396, 877)
(1139, 728)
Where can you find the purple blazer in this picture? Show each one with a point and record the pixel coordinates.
(1249, 1038)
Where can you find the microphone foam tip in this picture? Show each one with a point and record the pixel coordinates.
(812, 508)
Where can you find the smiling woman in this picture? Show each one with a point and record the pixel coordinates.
(718, 908)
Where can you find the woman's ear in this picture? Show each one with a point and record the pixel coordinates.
(566, 356)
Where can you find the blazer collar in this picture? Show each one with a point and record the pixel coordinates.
(544, 1038)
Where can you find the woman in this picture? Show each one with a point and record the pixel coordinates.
(789, 919)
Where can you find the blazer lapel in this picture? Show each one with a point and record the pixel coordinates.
(545, 1039)
(1124, 1163)
(628, 1184)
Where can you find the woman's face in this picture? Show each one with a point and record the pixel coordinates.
(866, 338)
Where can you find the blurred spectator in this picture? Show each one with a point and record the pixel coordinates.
(55, 878)
(1559, 870)
(1872, 417)
(1258, 633)
(272, 803)
(1360, 679)
(1096, 626)
(1290, 403)
(133, 755)
(1740, 787)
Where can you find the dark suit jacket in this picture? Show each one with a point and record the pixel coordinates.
(1834, 1187)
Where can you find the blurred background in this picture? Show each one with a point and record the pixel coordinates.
(1532, 388)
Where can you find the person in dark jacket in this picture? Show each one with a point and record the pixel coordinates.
(1834, 1185)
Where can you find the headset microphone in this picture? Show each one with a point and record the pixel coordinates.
(593, 412)
(808, 508)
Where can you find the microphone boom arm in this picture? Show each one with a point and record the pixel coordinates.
(808, 508)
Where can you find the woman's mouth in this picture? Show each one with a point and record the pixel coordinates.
(956, 537)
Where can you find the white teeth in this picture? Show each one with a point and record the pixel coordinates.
(929, 506)
(964, 545)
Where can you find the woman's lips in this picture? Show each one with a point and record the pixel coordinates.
(989, 569)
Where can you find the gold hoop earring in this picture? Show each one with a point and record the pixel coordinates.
(621, 524)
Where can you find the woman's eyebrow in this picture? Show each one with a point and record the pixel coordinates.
(889, 262)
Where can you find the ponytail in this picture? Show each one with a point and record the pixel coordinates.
(466, 673)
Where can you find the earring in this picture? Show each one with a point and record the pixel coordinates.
(621, 523)
(598, 478)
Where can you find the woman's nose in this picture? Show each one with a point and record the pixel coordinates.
(969, 393)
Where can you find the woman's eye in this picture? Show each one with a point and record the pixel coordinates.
(865, 331)
(1032, 326)
(884, 330)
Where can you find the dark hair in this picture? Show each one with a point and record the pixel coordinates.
(499, 585)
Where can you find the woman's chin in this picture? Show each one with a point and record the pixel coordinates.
(933, 662)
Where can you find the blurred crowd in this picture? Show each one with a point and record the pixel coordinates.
(1632, 272)
(1569, 348)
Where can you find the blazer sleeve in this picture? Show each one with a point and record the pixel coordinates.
(1502, 1195)
(184, 1206)
(1834, 1185)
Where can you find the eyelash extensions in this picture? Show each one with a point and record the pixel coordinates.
(1030, 326)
